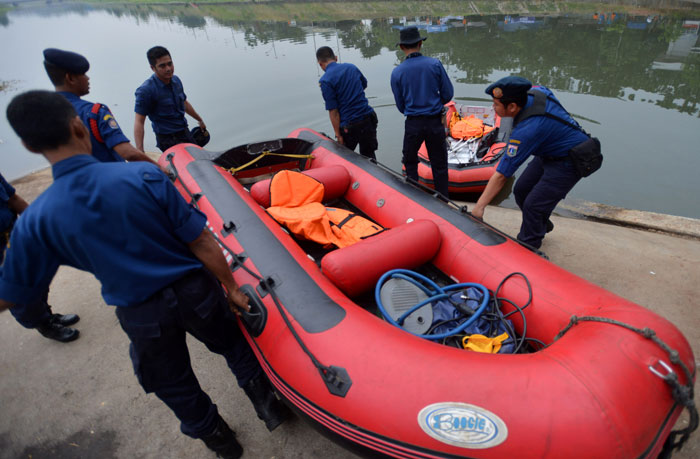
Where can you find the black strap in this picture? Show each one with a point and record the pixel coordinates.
(538, 108)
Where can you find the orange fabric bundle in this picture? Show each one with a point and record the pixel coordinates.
(464, 128)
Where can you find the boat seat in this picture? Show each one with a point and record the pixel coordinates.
(357, 268)
(335, 180)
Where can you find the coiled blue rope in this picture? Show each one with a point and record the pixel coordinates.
(435, 293)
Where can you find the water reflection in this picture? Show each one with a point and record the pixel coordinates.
(632, 80)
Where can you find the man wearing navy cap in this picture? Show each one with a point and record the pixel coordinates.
(343, 89)
(68, 73)
(162, 99)
(51, 325)
(543, 129)
(154, 256)
(421, 88)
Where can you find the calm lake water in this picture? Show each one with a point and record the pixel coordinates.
(634, 82)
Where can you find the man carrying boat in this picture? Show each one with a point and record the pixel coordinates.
(50, 325)
(421, 88)
(154, 256)
(343, 89)
(68, 73)
(545, 131)
(162, 98)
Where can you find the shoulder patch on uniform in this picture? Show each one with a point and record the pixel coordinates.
(111, 122)
(512, 150)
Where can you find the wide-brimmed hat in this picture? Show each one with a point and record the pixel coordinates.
(410, 36)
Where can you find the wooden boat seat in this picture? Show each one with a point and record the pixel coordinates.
(357, 268)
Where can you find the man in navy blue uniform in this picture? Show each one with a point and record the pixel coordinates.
(343, 89)
(68, 73)
(162, 99)
(421, 88)
(154, 256)
(543, 129)
(51, 325)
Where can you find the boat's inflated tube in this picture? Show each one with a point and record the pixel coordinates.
(355, 269)
(335, 180)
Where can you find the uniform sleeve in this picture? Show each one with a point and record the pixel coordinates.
(187, 222)
(363, 80)
(109, 129)
(28, 267)
(523, 142)
(144, 100)
(329, 95)
(396, 89)
(446, 89)
(9, 189)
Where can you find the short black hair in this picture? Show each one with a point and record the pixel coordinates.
(156, 53)
(324, 53)
(41, 119)
(520, 100)
(56, 74)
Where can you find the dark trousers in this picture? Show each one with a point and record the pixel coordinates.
(430, 130)
(28, 315)
(363, 132)
(34, 314)
(537, 192)
(165, 141)
(194, 304)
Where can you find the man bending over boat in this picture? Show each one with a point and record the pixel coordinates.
(343, 89)
(68, 73)
(152, 253)
(421, 88)
(162, 98)
(545, 131)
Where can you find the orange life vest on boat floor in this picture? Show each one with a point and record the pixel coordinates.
(464, 128)
(295, 201)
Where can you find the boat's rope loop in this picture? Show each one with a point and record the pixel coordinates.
(683, 394)
(233, 170)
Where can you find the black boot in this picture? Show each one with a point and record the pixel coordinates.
(269, 409)
(53, 330)
(549, 225)
(65, 319)
(223, 441)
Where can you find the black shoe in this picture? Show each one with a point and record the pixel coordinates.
(65, 319)
(550, 226)
(58, 332)
(223, 441)
(269, 409)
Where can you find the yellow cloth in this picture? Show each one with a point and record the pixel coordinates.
(481, 343)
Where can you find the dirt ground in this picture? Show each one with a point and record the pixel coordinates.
(82, 400)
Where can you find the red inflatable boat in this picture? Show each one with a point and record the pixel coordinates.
(601, 385)
(470, 165)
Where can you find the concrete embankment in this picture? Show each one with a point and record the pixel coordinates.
(82, 400)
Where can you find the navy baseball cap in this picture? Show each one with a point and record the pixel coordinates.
(508, 87)
(67, 60)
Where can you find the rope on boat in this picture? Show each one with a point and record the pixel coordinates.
(682, 393)
(233, 170)
(336, 378)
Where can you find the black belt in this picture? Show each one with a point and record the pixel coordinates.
(424, 117)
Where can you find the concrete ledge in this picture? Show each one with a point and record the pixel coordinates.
(680, 226)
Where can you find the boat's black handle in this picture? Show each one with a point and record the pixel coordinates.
(256, 319)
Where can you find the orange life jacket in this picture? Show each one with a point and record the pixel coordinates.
(464, 128)
(295, 201)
